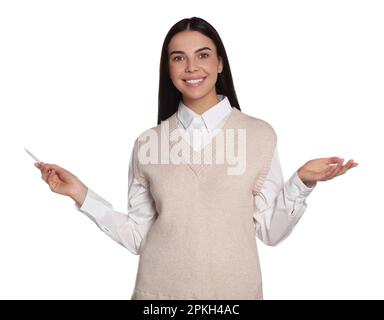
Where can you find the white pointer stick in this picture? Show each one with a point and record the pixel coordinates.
(34, 157)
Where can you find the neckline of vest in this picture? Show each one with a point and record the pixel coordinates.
(197, 168)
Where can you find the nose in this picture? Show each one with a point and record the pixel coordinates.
(191, 66)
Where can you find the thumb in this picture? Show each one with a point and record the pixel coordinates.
(55, 167)
(51, 166)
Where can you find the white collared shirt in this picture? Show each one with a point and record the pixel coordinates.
(278, 206)
(201, 128)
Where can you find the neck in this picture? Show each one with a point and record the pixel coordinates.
(201, 105)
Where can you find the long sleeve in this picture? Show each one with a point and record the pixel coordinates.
(130, 229)
(279, 206)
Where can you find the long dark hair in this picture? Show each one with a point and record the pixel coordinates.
(169, 96)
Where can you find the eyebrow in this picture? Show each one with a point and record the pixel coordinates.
(182, 52)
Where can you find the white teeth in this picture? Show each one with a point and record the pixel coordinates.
(194, 81)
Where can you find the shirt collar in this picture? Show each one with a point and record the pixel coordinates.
(211, 118)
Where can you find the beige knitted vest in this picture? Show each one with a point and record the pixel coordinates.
(203, 243)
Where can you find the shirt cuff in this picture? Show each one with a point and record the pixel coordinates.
(94, 205)
(297, 189)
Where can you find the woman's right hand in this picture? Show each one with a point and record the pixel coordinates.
(62, 181)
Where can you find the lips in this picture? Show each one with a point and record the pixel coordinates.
(194, 82)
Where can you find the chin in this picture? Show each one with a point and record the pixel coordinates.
(195, 93)
(195, 96)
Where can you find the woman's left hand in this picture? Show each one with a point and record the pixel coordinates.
(323, 169)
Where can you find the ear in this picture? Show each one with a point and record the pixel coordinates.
(221, 66)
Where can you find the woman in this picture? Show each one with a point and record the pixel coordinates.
(194, 224)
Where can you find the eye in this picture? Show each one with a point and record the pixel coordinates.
(177, 58)
(204, 55)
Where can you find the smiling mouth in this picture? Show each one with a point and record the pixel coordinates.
(194, 83)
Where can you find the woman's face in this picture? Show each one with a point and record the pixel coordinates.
(193, 66)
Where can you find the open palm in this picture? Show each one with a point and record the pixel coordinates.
(323, 169)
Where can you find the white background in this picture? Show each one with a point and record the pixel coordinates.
(79, 81)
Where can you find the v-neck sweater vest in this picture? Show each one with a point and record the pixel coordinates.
(202, 244)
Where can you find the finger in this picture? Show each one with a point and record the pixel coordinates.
(349, 165)
(45, 173)
(51, 177)
(338, 168)
(49, 166)
(46, 167)
(52, 180)
(336, 172)
(49, 174)
(38, 164)
(331, 160)
(325, 175)
(59, 170)
(41, 165)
